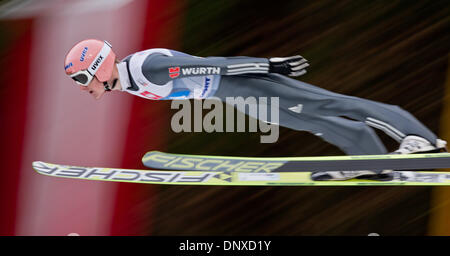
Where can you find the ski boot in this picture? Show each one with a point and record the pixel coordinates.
(412, 144)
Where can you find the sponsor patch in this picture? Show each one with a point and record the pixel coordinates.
(206, 87)
(259, 176)
(68, 66)
(97, 63)
(174, 72)
(83, 54)
(150, 95)
(201, 71)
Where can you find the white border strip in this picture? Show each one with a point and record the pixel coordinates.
(247, 69)
(388, 126)
(386, 130)
(98, 62)
(256, 65)
(246, 72)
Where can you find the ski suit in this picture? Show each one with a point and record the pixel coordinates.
(162, 74)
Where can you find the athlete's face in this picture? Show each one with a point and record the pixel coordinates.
(95, 88)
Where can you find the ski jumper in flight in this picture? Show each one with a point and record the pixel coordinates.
(163, 74)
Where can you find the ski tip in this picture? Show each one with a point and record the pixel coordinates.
(40, 166)
(152, 153)
(35, 164)
(144, 157)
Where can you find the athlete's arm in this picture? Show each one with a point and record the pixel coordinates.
(160, 69)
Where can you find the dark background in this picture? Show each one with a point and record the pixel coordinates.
(390, 51)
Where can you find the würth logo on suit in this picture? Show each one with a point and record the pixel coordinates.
(174, 72)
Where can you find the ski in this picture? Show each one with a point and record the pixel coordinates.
(400, 178)
(168, 161)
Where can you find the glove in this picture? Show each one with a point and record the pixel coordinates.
(291, 66)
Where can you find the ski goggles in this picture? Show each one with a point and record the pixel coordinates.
(84, 77)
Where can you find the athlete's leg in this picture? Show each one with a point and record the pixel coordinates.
(391, 119)
(316, 101)
(352, 137)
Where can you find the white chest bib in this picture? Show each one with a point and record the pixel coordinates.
(147, 89)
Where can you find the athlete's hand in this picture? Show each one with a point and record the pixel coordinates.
(291, 66)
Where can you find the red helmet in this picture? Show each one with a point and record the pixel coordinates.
(90, 58)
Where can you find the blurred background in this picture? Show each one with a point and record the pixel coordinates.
(395, 52)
